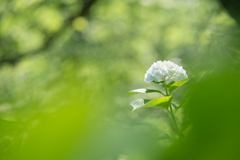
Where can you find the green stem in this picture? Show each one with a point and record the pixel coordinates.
(172, 115)
(175, 123)
(165, 86)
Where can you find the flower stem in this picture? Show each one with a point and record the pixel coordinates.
(175, 123)
(172, 115)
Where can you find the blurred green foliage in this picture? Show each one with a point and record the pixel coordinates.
(64, 77)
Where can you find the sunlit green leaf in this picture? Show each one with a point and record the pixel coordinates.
(177, 84)
(162, 102)
(142, 90)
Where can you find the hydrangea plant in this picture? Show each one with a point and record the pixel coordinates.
(169, 76)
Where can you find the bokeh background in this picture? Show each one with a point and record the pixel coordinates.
(66, 65)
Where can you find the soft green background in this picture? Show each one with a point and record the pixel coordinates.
(68, 100)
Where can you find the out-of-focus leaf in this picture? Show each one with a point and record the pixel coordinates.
(182, 104)
(142, 90)
(178, 106)
(169, 84)
(177, 84)
(185, 125)
(162, 102)
(164, 136)
(158, 82)
(175, 105)
(187, 130)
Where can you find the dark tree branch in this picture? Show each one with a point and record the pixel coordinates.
(83, 11)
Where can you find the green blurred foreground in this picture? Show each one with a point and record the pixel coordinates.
(66, 67)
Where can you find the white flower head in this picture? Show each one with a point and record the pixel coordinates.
(165, 71)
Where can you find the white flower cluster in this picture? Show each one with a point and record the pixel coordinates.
(165, 71)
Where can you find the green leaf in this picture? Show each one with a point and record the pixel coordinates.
(142, 90)
(158, 82)
(177, 84)
(163, 102)
(169, 84)
(146, 100)
(175, 106)
(178, 106)
(181, 105)
(185, 125)
(164, 136)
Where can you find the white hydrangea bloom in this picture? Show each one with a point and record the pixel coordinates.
(165, 71)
